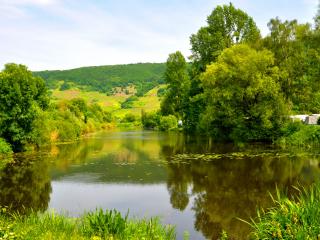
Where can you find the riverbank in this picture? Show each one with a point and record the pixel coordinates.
(96, 225)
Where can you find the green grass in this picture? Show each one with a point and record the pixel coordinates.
(97, 225)
(297, 218)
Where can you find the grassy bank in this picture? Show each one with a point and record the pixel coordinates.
(297, 218)
(97, 225)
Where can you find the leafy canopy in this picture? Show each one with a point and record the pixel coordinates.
(22, 96)
(176, 76)
(227, 26)
(243, 95)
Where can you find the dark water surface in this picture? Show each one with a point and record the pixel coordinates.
(192, 183)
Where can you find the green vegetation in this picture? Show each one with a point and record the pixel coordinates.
(297, 218)
(241, 87)
(22, 98)
(143, 76)
(4, 147)
(244, 101)
(298, 134)
(178, 81)
(167, 123)
(97, 225)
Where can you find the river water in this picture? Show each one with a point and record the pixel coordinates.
(201, 187)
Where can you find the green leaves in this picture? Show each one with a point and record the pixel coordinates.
(243, 96)
(21, 97)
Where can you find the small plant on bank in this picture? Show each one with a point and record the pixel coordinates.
(105, 223)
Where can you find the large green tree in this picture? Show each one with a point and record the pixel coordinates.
(226, 27)
(295, 49)
(244, 98)
(22, 96)
(177, 78)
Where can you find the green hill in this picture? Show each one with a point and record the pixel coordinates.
(143, 76)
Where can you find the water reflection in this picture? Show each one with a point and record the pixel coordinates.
(25, 184)
(141, 171)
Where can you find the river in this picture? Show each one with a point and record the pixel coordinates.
(201, 187)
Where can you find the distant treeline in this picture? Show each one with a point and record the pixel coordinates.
(144, 76)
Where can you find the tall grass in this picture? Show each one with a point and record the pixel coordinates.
(297, 218)
(97, 225)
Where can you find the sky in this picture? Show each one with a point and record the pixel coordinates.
(64, 34)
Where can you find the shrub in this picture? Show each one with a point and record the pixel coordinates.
(300, 134)
(128, 103)
(150, 120)
(4, 147)
(129, 118)
(168, 123)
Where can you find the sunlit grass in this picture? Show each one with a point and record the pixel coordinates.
(297, 218)
(97, 225)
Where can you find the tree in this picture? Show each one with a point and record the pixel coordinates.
(22, 96)
(227, 26)
(295, 48)
(317, 18)
(176, 76)
(244, 97)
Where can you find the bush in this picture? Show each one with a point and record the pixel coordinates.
(4, 147)
(298, 134)
(150, 120)
(128, 103)
(65, 86)
(129, 118)
(167, 123)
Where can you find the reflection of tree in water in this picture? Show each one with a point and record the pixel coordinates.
(25, 184)
(229, 188)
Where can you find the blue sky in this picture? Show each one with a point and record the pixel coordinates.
(62, 34)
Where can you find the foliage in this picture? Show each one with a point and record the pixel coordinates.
(4, 147)
(243, 96)
(150, 120)
(129, 118)
(65, 86)
(97, 225)
(297, 218)
(298, 134)
(167, 123)
(227, 26)
(144, 76)
(128, 103)
(297, 57)
(176, 76)
(67, 121)
(22, 97)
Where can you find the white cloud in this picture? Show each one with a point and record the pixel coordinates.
(56, 34)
